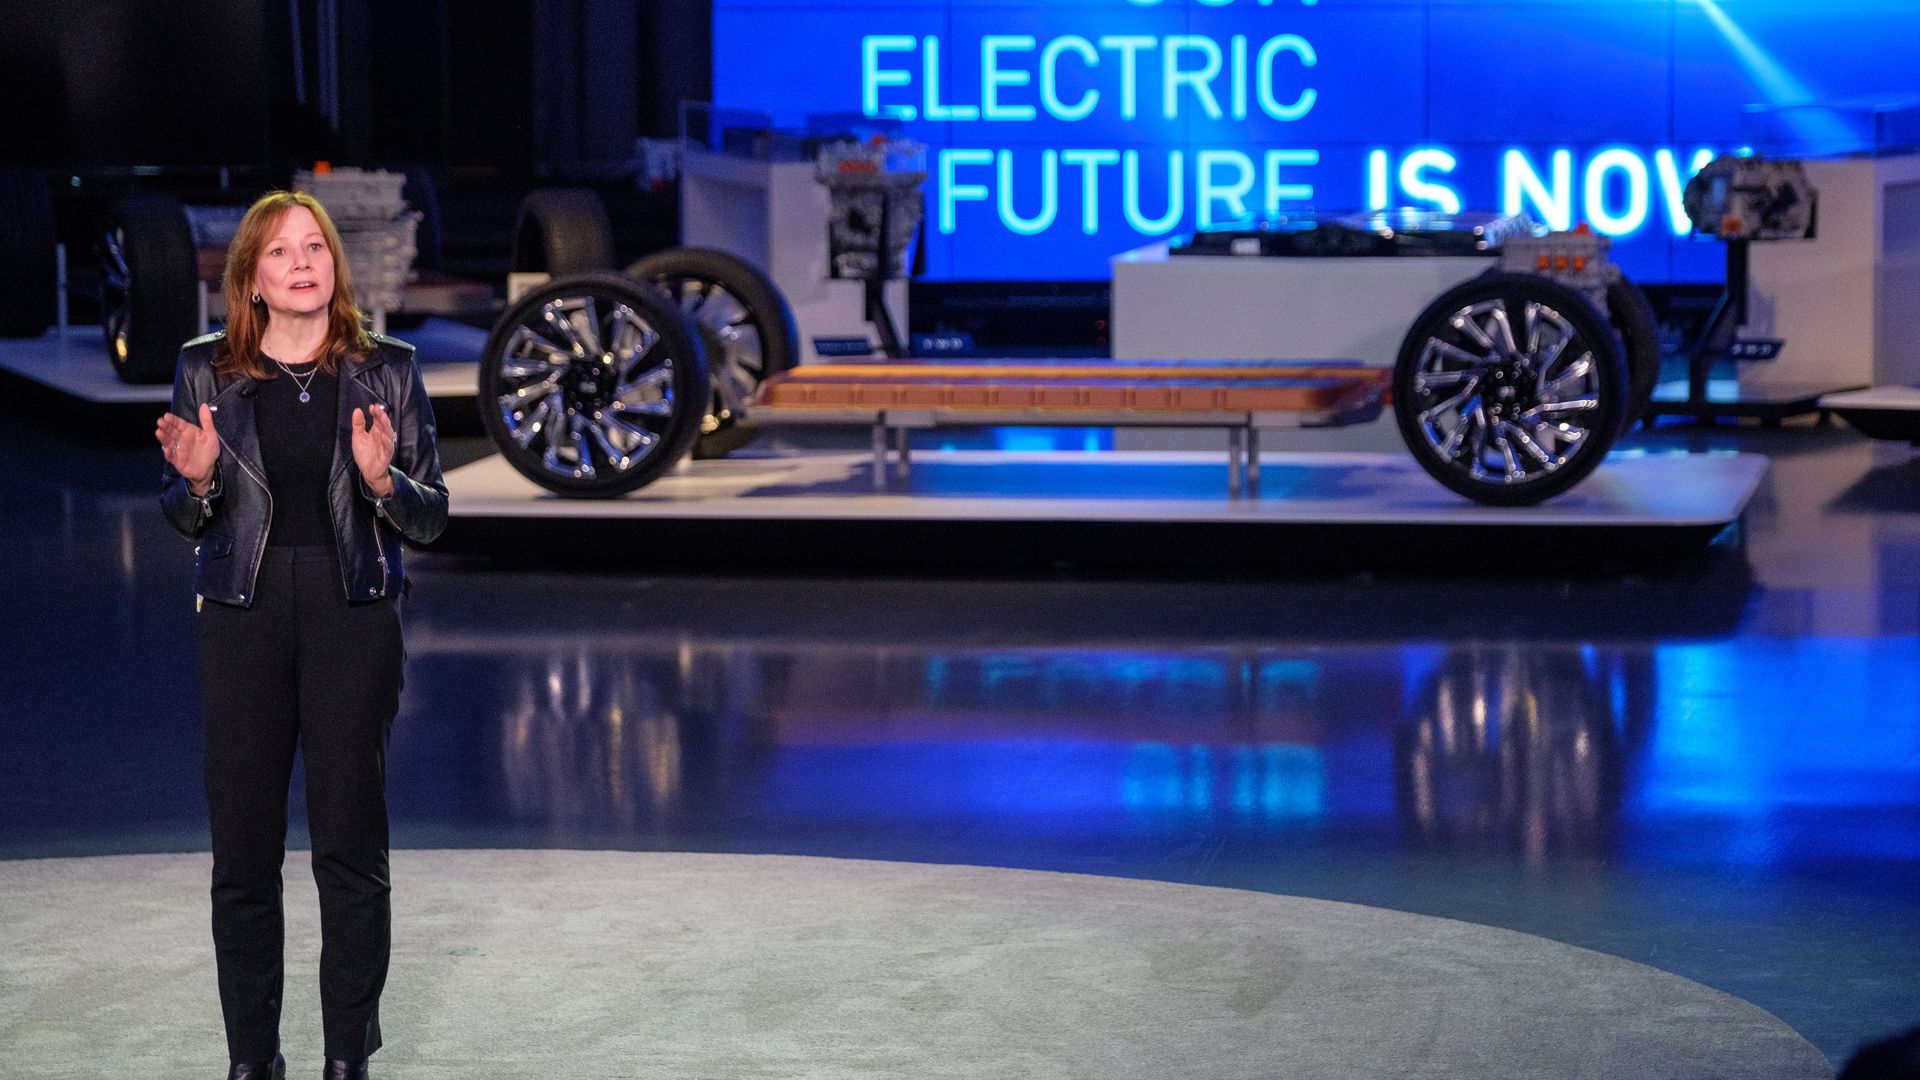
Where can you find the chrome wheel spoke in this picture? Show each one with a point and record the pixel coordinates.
(1472, 425)
(1570, 405)
(1572, 382)
(528, 347)
(654, 384)
(729, 395)
(565, 328)
(743, 348)
(526, 371)
(522, 399)
(1453, 404)
(588, 322)
(535, 423)
(638, 437)
(617, 457)
(1503, 326)
(721, 310)
(693, 295)
(633, 339)
(642, 408)
(1545, 354)
(577, 443)
(1519, 436)
(1509, 461)
(1497, 384)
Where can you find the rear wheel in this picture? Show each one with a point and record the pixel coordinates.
(593, 385)
(562, 231)
(1509, 389)
(149, 298)
(744, 324)
(1632, 316)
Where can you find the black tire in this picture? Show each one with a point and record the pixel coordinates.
(744, 323)
(563, 334)
(27, 290)
(1632, 316)
(562, 231)
(149, 298)
(1442, 375)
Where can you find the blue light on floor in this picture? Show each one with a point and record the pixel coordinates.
(1010, 782)
(1037, 439)
(1194, 682)
(1792, 746)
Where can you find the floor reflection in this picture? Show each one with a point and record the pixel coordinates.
(1521, 749)
(1535, 752)
(1508, 748)
(591, 742)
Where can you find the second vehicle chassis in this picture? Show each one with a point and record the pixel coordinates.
(1509, 388)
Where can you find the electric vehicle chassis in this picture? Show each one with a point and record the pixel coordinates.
(1509, 388)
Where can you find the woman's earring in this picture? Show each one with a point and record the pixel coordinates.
(256, 298)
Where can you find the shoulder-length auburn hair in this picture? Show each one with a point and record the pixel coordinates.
(239, 353)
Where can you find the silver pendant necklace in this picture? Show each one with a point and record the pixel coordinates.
(304, 395)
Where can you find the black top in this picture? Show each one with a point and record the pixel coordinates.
(296, 446)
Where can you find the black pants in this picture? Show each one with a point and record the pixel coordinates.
(302, 667)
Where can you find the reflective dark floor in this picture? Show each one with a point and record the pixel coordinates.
(1714, 770)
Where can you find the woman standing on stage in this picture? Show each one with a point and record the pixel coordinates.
(300, 450)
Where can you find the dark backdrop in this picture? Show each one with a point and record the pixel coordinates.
(514, 86)
(122, 82)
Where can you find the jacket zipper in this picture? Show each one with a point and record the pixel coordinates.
(379, 552)
(253, 579)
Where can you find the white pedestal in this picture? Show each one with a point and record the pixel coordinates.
(1843, 301)
(774, 215)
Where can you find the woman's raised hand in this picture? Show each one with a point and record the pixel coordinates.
(192, 449)
(373, 441)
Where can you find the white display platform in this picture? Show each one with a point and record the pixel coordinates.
(1638, 490)
(1893, 398)
(1155, 512)
(1880, 412)
(76, 364)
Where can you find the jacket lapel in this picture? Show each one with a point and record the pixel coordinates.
(356, 392)
(234, 421)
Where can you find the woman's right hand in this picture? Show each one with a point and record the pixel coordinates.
(192, 449)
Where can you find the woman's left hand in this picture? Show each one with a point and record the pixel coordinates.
(373, 448)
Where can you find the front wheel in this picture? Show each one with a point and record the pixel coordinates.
(593, 385)
(1510, 389)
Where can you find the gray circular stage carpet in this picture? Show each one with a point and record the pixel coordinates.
(615, 964)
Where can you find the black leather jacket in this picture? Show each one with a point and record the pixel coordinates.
(231, 520)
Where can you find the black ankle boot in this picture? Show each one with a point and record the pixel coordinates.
(345, 1070)
(259, 1070)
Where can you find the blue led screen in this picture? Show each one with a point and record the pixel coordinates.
(1062, 132)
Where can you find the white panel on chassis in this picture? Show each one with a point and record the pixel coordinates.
(1202, 307)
